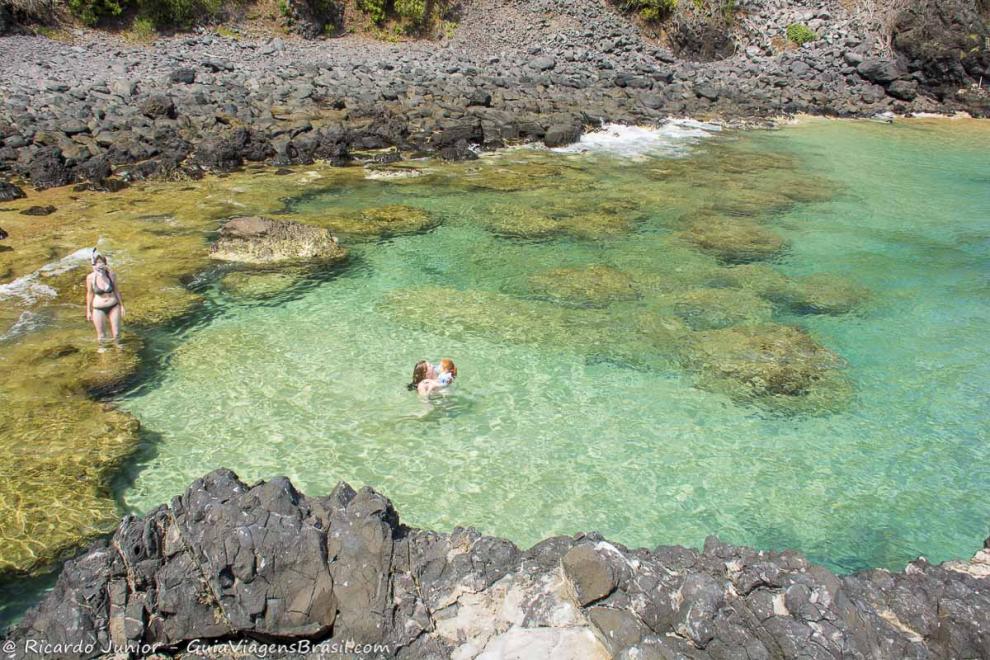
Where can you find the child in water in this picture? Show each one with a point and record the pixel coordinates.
(428, 378)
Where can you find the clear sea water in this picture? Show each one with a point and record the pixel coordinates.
(555, 425)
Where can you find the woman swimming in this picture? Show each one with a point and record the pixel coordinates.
(103, 301)
(428, 378)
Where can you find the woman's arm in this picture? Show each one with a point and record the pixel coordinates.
(116, 291)
(427, 386)
(89, 299)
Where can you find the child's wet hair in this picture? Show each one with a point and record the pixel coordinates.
(447, 365)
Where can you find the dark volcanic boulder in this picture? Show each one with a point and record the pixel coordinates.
(9, 192)
(39, 210)
(48, 169)
(7, 23)
(879, 70)
(223, 153)
(96, 169)
(559, 135)
(460, 150)
(948, 39)
(158, 105)
(312, 18)
(905, 90)
(185, 76)
(228, 562)
(263, 240)
(702, 35)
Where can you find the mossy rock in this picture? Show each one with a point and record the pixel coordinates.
(399, 172)
(167, 304)
(821, 293)
(761, 279)
(59, 448)
(770, 363)
(502, 318)
(527, 176)
(824, 293)
(260, 240)
(733, 240)
(594, 286)
(807, 189)
(55, 495)
(383, 221)
(714, 308)
(597, 224)
(451, 312)
(748, 162)
(521, 222)
(70, 361)
(527, 222)
(737, 198)
(249, 284)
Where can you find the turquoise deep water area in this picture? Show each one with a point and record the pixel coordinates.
(562, 419)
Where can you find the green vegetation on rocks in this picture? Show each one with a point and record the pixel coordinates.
(91, 12)
(733, 240)
(649, 10)
(162, 13)
(408, 16)
(595, 286)
(800, 34)
(776, 365)
(714, 309)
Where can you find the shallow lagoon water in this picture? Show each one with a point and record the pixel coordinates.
(554, 428)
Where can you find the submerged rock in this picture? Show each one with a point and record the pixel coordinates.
(766, 362)
(383, 221)
(529, 222)
(713, 309)
(263, 240)
(595, 286)
(228, 562)
(59, 448)
(821, 293)
(525, 176)
(733, 240)
(245, 284)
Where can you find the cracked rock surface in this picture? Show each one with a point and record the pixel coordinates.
(226, 561)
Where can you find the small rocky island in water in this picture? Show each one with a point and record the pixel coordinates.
(155, 124)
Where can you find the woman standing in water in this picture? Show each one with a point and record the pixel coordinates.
(103, 301)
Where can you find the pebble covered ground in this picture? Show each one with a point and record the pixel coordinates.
(512, 71)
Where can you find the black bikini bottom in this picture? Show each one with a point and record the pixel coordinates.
(106, 310)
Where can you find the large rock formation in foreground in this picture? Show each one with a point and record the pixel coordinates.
(268, 565)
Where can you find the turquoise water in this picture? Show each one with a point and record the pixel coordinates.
(585, 406)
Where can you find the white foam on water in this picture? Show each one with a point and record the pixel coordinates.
(30, 289)
(673, 137)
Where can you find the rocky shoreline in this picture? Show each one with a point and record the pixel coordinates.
(226, 566)
(101, 112)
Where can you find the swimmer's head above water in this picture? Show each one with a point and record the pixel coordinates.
(420, 373)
